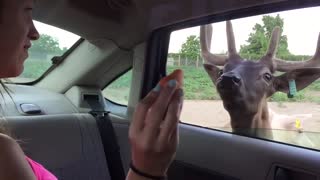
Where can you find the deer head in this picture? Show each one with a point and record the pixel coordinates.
(244, 86)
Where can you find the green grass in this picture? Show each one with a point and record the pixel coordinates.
(120, 96)
(314, 86)
(282, 97)
(122, 82)
(198, 86)
(118, 91)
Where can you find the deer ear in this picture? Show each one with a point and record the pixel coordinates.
(303, 78)
(213, 72)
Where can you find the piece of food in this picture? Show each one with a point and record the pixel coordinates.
(176, 74)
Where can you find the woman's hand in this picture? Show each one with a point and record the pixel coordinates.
(154, 131)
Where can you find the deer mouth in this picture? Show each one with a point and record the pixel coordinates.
(230, 96)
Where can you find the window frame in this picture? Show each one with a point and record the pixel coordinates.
(158, 46)
(158, 43)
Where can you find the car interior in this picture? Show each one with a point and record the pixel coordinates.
(67, 119)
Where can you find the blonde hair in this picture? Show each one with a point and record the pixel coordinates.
(3, 123)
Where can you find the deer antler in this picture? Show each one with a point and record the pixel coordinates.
(232, 50)
(274, 41)
(205, 43)
(284, 66)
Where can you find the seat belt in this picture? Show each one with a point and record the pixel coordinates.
(108, 137)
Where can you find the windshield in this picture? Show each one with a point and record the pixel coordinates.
(52, 42)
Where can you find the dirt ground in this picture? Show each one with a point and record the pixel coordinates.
(212, 114)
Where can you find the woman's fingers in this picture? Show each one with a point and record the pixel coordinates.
(153, 133)
(158, 110)
(170, 123)
(174, 139)
(143, 108)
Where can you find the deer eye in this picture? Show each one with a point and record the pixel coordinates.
(220, 73)
(267, 77)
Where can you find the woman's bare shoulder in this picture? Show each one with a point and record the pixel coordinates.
(13, 164)
(9, 150)
(7, 143)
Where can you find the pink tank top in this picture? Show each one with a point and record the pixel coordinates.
(40, 172)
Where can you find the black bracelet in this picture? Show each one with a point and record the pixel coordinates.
(143, 174)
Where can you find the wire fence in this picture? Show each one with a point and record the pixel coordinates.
(181, 61)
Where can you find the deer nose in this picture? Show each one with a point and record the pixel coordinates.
(236, 79)
(229, 80)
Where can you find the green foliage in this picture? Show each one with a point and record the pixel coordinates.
(258, 40)
(314, 86)
(174, 55)
(197, 84)
(269, 23)
(118, 91)
(34, 68)
(47, 44)
(282, 97)
(40, 54)
(191, 48)
(123, 81)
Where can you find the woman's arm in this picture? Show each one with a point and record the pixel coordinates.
(133, 176)
(13, 164)
(154, 132)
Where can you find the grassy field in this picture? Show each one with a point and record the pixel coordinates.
(197, 84)
(118, 91)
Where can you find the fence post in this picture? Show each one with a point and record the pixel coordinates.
(197, 62)
(179, 61)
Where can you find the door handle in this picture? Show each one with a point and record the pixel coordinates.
(281, 174)
(290, 174)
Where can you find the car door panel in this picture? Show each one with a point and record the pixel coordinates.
(242, 157)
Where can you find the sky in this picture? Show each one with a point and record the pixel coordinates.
(301, 27)
(65, 38)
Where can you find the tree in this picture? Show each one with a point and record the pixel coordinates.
(64, 49)
(258, 40)
(46, 44)
(191, 48)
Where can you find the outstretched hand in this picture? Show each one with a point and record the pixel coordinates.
(154, 131)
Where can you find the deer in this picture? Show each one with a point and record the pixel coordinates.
(245, 86)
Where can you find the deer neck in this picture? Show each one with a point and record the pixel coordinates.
(261, 119)
(252, 123)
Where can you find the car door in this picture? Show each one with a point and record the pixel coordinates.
(208, 149)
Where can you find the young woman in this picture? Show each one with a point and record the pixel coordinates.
(153, 133)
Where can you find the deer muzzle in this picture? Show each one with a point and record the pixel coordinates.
(229, 82)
